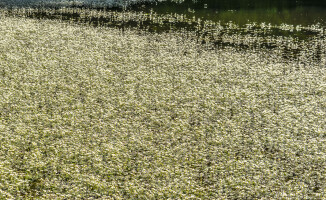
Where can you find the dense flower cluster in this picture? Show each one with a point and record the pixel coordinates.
(100, 113)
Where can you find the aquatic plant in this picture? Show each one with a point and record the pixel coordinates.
(106, 113)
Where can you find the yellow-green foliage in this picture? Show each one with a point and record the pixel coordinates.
(97, 113)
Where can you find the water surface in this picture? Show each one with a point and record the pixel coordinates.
(276, 12)
(284, 17)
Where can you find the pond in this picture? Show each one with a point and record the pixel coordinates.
(242, 24)
(295, 12)
(244, 11)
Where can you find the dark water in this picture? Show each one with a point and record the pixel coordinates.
(296, 12)
(243, 11)
(276, 12)
(239, 12)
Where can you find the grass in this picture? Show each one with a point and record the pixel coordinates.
(100, 113)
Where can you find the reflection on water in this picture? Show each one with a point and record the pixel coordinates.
(291, 41)
(244, 11)
(292, 31)
(299, 12)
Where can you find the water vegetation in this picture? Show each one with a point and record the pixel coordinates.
(292, 41)
(131, 105)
